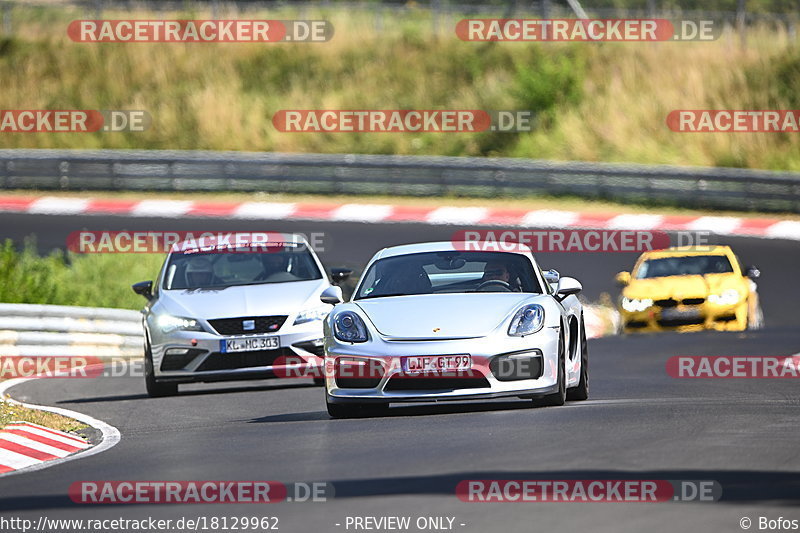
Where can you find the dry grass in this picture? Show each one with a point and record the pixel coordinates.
(11, 412)
(599, 101)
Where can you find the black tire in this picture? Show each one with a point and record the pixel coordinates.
(154, 388)
(560, 397)
(319, 382)
(581, 392)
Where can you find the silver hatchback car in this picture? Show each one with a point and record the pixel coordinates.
(225, 313)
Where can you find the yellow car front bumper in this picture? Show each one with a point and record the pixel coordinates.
(685, 318)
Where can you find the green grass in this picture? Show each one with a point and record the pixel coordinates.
(92, 280)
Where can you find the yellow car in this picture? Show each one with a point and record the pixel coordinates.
(688, 289)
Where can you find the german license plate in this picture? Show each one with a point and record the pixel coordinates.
(249, 344)
(436, 363)
(678, 314)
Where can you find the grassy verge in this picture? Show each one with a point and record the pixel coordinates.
(10, 412)
(594, 101)
(94, 280)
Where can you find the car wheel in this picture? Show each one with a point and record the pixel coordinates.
(154, 388)
(319, 382)
(581, 392)
(559, 397)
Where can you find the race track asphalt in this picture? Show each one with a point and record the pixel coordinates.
(639, 423)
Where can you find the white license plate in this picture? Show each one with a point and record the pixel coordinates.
(675, 314)
(436, 363)
(249, 344)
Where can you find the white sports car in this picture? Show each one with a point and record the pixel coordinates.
(439, 321)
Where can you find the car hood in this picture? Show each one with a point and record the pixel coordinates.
(455, 316)
(679, 287)
(246, 300)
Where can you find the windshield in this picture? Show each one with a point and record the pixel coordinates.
(449, 272)
(688, 265)
(226, 268)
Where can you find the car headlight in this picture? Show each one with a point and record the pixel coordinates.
(309, 315)
(633, 305)
(169, 323)
(348, 327)
(728, 297)
(528, 320)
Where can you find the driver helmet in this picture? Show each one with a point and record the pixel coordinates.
(496, 271)
(199, 272)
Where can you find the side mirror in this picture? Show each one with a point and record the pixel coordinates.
(623, 278)
(752, 272)
(551, 276)
(568, 286)
(143, 288)
(338, 275)
(332, 295)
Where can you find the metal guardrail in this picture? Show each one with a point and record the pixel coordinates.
(33, 330)
(124, 170)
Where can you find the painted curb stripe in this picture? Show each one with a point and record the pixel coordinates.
(44, 440)
(110, 435)
(387, 213)
(49, 433)
(7, 437)
(24, 445)
(25, 450)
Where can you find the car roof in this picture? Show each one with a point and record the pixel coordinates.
(455, 246)
(677, 251)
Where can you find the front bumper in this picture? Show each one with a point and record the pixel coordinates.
(695, 318)
(481, 382)
(193, 356)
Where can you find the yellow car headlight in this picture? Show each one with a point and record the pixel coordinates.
(634, 305)
(727, 297)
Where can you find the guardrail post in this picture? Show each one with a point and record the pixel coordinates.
(796, 190)
(115, 181)
(63, 169)
(741, 19)
(336, 182)
(228, 169)
(7, 30)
